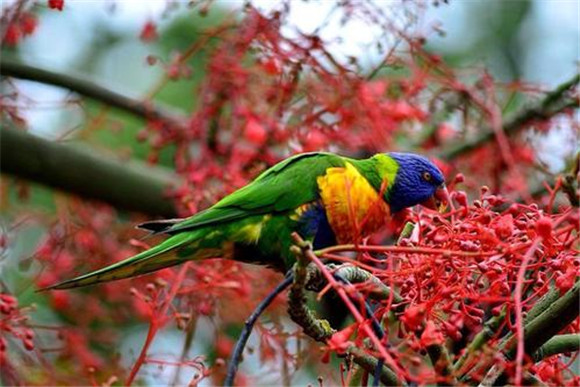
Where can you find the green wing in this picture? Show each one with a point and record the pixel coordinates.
(285, 186)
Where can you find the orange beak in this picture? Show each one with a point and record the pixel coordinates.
(439, 201)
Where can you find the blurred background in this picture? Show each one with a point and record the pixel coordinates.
(131, 46)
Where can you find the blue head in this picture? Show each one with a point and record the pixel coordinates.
(418, 181)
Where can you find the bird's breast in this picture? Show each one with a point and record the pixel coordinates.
(353, 207)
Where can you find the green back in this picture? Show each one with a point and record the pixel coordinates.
(285, 186)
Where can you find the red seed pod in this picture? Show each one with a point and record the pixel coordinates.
(56, 4)
(413, 317)
(255, 132)
(485, 218)
(544, 227)
(492, 200)
(566, 281)
(7, 303)
(149, 32)
(513, 209)
(28, 333)
(173, 72)
(315, 140)
(460, 197)
(469, 245)
(483, 266)
(60, 300)
(452, 331)
(28, 23)
(12, 34)
(28, 344)
(504, 226)
(459, 178)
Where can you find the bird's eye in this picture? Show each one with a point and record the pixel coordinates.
(427, 176)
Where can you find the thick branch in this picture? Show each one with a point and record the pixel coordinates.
(553, 103)
(300, 313)
(555, 318)
(537, 332)
(542, 304)
(88, 88)
(557, 345)
(369, 363)
(131, 186)
(488, 331)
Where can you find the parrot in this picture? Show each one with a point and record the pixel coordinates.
(326, 198)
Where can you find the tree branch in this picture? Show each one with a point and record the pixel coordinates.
(537, 332)
(555, 318)
(557, 345)
(489, 330)
(553, 103)
(88, 88)
(309, 277)
(131, 186)
(369, 363)
(300, 313)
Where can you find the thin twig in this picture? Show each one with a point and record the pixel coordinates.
(249, 325)
(157, 321)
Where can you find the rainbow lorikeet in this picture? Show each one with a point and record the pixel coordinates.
(326, 198)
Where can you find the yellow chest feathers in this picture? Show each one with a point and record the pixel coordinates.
(353, 207)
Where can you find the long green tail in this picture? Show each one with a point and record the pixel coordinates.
(156, 258)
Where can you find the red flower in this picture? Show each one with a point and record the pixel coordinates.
(12, 34)
(56, 4)
(431, 335)
(504, 226)
(149, 32)
(544, 227)
(28, 23)
(565, 281)
(339, 342)
(271, 66)
(413, 317)
(255, 132)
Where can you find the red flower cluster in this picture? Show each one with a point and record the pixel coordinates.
(21, 26)
(14, 324)
(481, 260)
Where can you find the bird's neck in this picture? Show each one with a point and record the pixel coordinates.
(380, 171)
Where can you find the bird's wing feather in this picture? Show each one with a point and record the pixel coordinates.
(283, 187)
